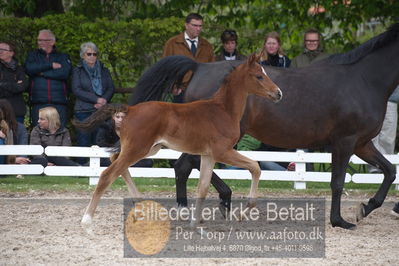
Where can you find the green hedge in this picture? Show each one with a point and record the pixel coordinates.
(126, 48)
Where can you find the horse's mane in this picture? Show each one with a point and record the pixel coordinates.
(159, 79)
(371, 45)
(226, 78)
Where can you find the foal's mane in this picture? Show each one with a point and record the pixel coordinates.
(371, 45)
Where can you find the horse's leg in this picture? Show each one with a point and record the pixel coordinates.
(234, 158)
(131, 186)
(372, 156)
(107, 177)
(183, 167)
(134, 192)
(207, 164)
(129, 155)
(341, 153)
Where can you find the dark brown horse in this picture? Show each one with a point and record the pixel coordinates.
(339, 102)
(209, 128)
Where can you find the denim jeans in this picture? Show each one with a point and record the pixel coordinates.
(84, 139)
(266, 165)
(2, 157)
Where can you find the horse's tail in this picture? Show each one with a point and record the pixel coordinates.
(98, 117)
(160, 78)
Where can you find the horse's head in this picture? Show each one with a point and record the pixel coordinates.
(257, 82)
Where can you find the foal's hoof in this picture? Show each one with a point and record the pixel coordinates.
(86, 225)
(360, 212)
(251, 203)
(88, 229)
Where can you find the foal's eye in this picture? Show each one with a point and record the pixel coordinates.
(260, 77)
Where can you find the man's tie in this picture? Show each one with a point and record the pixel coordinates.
(193, 47)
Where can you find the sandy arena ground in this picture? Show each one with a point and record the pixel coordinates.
(44, 228)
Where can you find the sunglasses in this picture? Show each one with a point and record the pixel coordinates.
(91, 54)
(231, 32)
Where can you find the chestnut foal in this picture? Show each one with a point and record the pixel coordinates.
(209, 128)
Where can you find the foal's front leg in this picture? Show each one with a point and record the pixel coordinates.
(232, 157)
(207, 164)
(131, 186)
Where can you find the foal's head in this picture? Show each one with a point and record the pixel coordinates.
(256, 81)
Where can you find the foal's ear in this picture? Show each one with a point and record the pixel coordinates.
(253, 58)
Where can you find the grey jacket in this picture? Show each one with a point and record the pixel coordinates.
(308, 58)
(86, 98)
(43, 137)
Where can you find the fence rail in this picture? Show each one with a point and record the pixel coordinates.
(300, 176)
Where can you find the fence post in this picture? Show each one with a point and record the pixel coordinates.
(95, 165)
(300, 167)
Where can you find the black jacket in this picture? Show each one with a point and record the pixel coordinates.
(10, 89)
(106, 136)
(48, 85)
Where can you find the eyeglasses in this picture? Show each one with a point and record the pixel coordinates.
(91, 54)
(311, 41)
(5, 50)
(196, 25)
(44, 40)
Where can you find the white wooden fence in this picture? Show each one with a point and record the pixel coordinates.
(300, 176)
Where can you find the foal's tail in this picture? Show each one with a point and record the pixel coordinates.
(99, 116)
(160, 78)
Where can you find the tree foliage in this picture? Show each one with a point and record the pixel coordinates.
(126, 47)
(131, 33)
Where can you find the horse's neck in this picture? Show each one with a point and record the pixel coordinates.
(233, 97)
(377, 70)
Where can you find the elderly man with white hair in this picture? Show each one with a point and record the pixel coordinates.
(49, 71)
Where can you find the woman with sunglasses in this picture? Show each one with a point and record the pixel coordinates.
(92, 86)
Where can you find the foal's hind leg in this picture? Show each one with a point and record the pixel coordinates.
(372, 156)
(107, 178)
(118, 167)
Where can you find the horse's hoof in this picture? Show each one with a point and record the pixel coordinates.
(344, 224)
(194, 223)
(224, 208)
(394, 214)
(86, 224)
(251, 203)
(360, 212)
